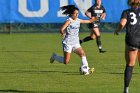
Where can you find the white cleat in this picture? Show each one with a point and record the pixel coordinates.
(52, 58)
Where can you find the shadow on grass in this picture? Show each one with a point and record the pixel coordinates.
(19, 91)
(16, 91)
(22, 51)
(118, 73)
(42, 72)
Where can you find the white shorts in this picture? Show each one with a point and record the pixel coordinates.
(70, 48)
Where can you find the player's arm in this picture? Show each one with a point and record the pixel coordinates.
(88, 14)
(103, 16)
(62, 29)
(121, 26)
(89, 21)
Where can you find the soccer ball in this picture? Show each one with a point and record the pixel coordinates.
(84, 70)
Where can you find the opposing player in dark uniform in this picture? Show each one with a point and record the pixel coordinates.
(131, 19)
(97, 10)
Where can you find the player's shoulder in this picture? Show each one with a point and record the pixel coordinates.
(127, 10)
(131, 9)
(93, 6)
(78, 19)
(71, 20)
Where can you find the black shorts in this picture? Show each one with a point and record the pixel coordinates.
(133, 42)
(93, 25)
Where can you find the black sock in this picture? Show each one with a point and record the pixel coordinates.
(98, 41)
(127, 75)
(88, 38)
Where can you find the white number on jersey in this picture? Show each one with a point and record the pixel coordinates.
(133, 17)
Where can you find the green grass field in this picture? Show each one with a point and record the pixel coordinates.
(25, 67)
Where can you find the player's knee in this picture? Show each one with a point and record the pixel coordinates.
(82, 54)
(98, 37)
(93, 37)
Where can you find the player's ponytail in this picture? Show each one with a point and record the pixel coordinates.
(68, 10)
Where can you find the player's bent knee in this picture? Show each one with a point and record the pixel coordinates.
(82, 54)
(93, 37)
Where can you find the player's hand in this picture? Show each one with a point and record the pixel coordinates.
(94, 19)
(63, 35)
(116, 33)
(103, 16)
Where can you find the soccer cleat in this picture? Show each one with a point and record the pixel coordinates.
(91, 70)
(52, 58)
(126, 92)
(102, 51)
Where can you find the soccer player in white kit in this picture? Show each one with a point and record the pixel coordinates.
(70, 33)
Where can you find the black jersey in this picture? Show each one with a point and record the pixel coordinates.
(96, 12)
(132, 26)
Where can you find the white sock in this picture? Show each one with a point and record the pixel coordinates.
(84, 61)
(126, 89)
(60, 59)
(100, 47)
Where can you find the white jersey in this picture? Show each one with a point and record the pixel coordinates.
(72, 32)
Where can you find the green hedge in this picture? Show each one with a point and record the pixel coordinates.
(53, 27)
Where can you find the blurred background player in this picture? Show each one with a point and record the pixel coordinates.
(70, 33)
(97, 10)
(131, 19)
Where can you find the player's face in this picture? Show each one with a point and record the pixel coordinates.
(98, 2)
(75, 14)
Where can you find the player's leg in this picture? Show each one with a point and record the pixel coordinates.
(139, 56)
(130, 57)
(98, 39)
(88, 38)
(57, 58)
(79, 51)
(67, 56)
(66, 51)
(84, 61)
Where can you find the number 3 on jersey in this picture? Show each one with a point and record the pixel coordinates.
(134, 19)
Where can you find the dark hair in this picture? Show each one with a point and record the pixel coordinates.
(133, 3)
(96, 2)
(69, 9)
